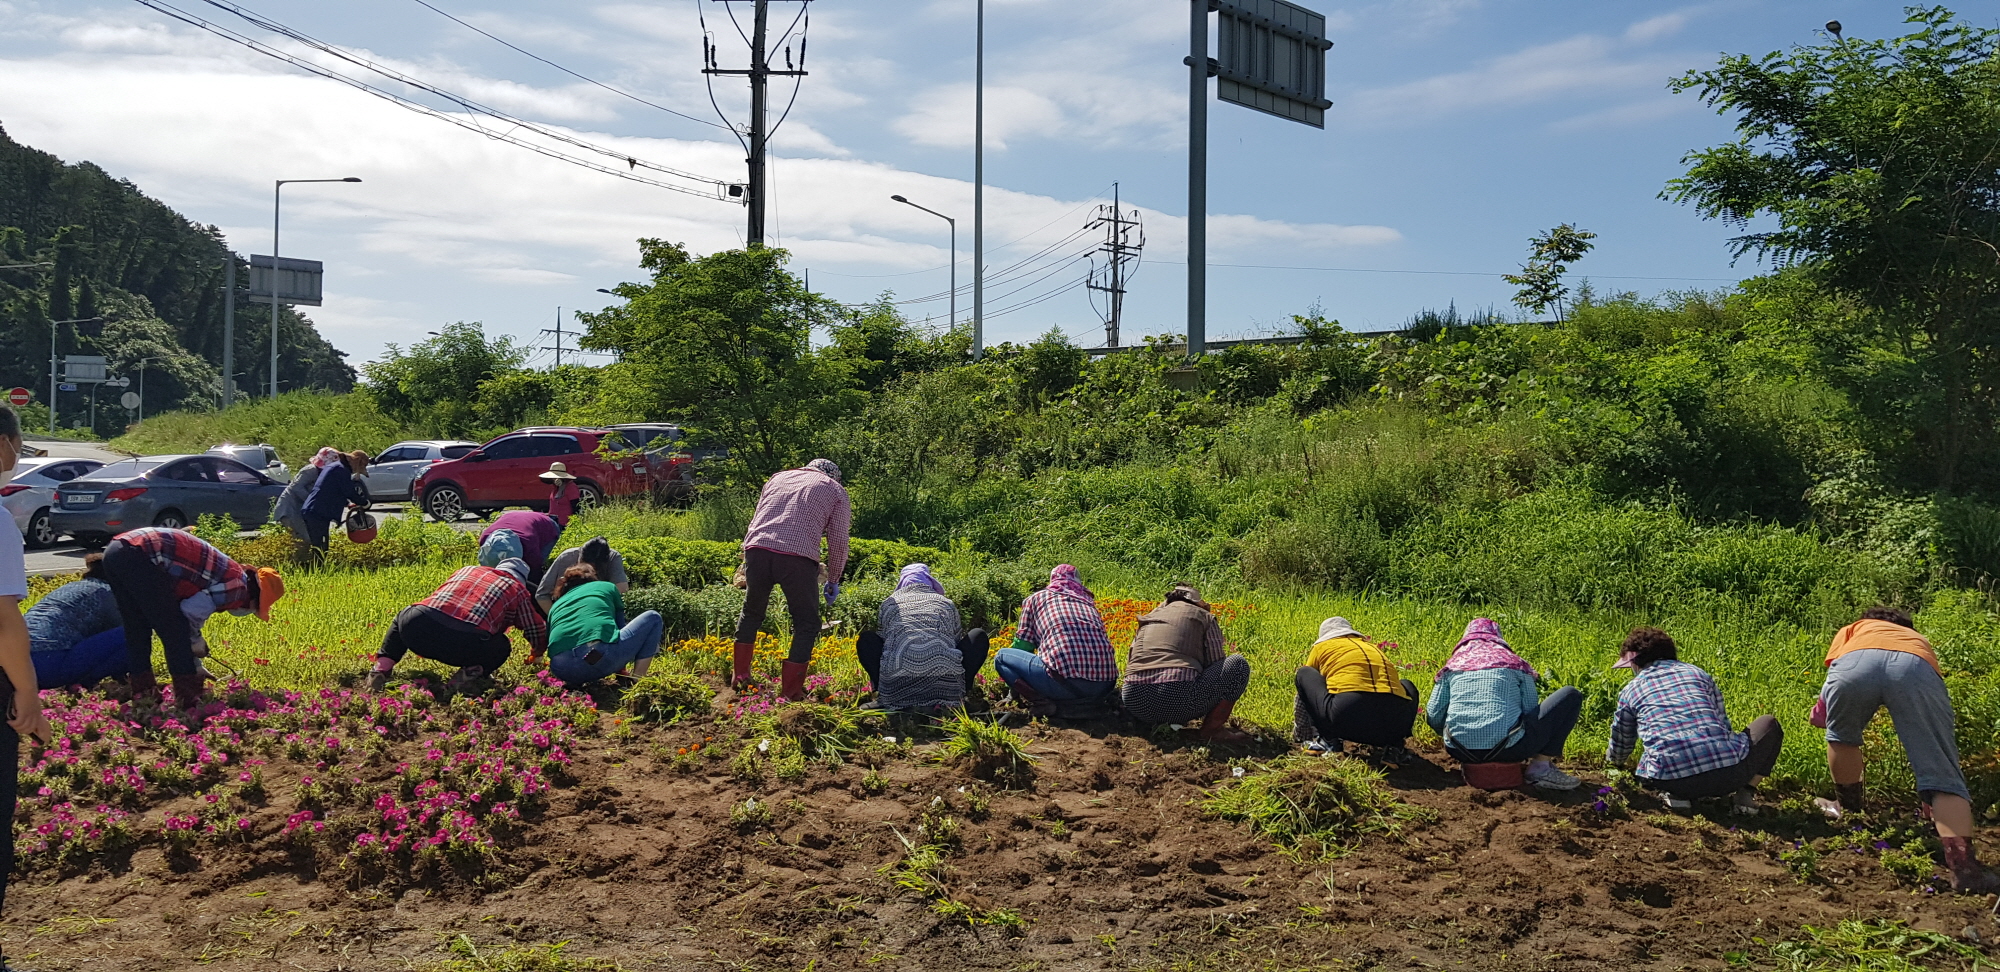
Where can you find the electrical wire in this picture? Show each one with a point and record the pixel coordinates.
(469, 105)
(708, 62)
(472, 108)
(1450, 273)
(617, 91)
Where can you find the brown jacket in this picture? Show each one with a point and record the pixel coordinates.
(1175, 641)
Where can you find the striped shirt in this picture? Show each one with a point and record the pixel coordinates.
(796, 508)
(921, 666)
(194, 566)
(491, 600)
(1069, 635)
(1675, 711)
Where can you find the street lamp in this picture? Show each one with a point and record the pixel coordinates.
(954, 252)
(276, 198)
(142, 383)
(52, 365)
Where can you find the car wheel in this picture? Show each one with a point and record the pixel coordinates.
(445, 504)
(588, 495)
(171, 519)
(92, 541)
(40, 533)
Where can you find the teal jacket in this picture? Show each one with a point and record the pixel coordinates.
(1479, 711)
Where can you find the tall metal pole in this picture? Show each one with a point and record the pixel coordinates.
(979, 184)
(229, 331)
(274, 283)
(759, 80)
(52, 377)
(953, 325)
(1197, 217)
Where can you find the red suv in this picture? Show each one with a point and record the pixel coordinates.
(503, 472)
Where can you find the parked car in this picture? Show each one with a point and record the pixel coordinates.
(392, 472)
(502, 473)
(670, 465)
(33, 490)
(260, 457)
(166, 491)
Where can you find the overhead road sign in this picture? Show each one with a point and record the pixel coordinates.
(1271, 56)
(83, 367)
(298, 280)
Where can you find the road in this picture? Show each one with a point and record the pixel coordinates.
(67, 558)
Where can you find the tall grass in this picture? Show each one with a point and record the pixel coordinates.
(297, 423)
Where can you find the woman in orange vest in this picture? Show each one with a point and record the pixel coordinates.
(1879, 661)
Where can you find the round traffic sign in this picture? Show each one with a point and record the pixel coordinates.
(19, 396)
(129, 399)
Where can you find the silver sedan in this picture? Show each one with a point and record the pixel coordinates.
(32, 491)
(392, 472)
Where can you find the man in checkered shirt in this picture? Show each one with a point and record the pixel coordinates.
(795, 511)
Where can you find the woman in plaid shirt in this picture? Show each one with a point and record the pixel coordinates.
(1674, 710)
(1061, 652)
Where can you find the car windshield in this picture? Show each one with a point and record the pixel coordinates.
(123, 469)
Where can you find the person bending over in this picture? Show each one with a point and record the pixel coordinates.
(289, 511)
(535, 535)
(589, 637)
(1348, 690)
(1880, 661)
(463, 624)
(1485, 706)
(336, 490)
(169, 582)
(601, 558)
(1674, 711)
(1179, 668)
(1061, 652)
(77, 633)
(920, 658)
(796, 509)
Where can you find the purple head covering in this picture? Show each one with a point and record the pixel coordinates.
(918, 576)
(1483, 648)
(1063, 580)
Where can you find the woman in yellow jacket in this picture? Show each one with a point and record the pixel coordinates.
(1349, 690)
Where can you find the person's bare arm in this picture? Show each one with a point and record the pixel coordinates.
(20, 668)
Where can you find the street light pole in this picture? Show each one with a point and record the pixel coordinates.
(142, 384)
(276, 199)
(954, 253)
(52, 365)
(979, 184)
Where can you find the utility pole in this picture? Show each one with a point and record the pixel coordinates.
(228, 330)
(979, 184)
(1199, 71)
(559, 332)
(1120, 246)
(760, 74)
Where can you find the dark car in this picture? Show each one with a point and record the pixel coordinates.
(670, 464)
(505, 472)
(167, 491)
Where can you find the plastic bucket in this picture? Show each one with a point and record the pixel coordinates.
(1495, 776)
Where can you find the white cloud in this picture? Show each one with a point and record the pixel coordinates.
(1579, 66)
(1647, 31)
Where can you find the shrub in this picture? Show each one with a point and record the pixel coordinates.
(989, 750)
(1313, 807)
(683, 563)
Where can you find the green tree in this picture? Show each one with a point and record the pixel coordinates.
(1879, 161)
(435, 383)
(721, 344)
(1549, 256)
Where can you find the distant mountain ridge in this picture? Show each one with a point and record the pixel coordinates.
(96, 246)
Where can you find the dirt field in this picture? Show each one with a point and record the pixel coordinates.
(1097, 858)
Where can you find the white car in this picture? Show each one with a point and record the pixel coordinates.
(392, 472)
(262, 458)
(32, 491)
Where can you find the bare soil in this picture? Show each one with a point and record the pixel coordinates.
(1103, 852)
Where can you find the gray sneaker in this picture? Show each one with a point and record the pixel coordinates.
(1320, 747)
(1547, 777)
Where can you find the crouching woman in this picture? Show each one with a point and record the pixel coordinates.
(1485, 706)
(1179, 668)
(1674, 711)
(920, 659)
(589, 637)
(1349, 691)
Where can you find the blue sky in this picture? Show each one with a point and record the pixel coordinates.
(1459, 128)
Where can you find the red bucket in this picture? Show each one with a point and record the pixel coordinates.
(1495, 776)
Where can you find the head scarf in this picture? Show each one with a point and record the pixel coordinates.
(515, 566)
(918, 576)
(1336, 627)
(324, 456)
(1185, 592)
(1063, 580)
(500, 545)
(825, 466)
(1483, 648)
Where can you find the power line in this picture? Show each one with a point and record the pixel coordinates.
(617, 91)
(1452, 273)
(473, 108)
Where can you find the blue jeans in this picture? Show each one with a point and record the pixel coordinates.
(85, 663)
(1024, 668)
(639, 639)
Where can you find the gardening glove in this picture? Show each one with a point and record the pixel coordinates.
(832, 591)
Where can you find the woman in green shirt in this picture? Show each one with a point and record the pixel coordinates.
(589, 637)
